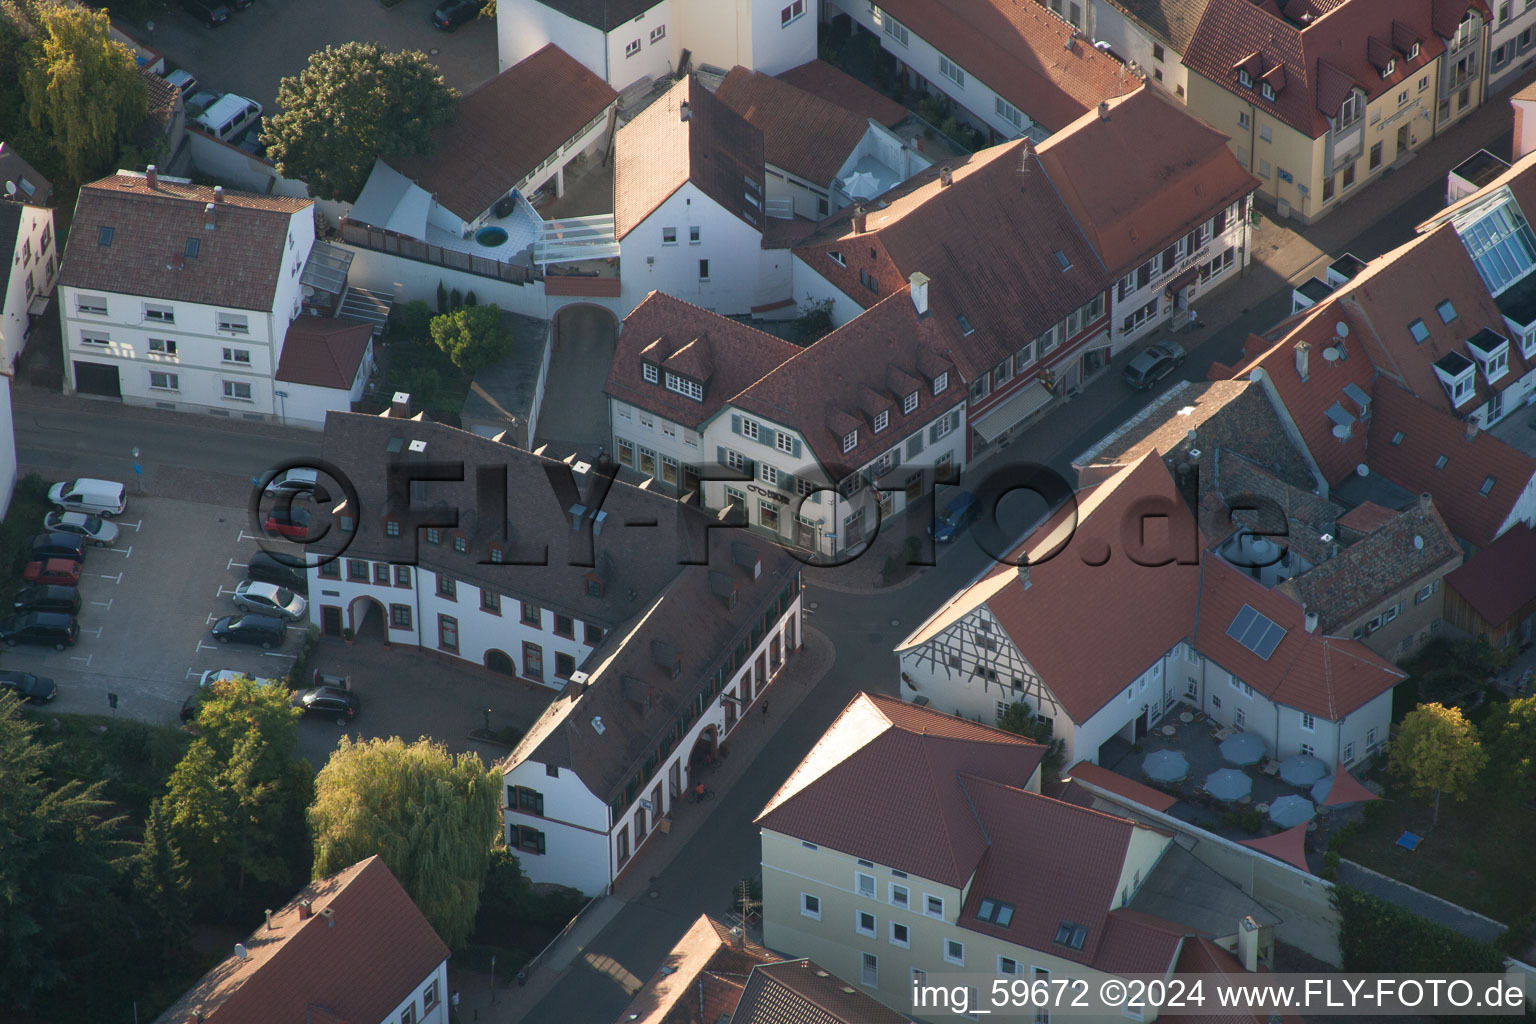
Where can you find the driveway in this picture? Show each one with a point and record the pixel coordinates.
(273, 38)
(574, 416)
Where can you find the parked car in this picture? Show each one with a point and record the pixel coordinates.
(251, 142)
(269, 569)
(48, 599)
(229, 115)
(328, 702)
(289, 522)
(55, 545)
(211, 13)
(298, 481)
(184, 80)
(53, 629)
(35, 689)
(959, 512)
(452, 13)
(250, 628)
(105, 498)
(224, 675)
(54, 571)
(338, 682)
(1154, 364)
(93, 528)
(270, 599)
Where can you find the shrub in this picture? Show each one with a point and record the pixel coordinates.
(1379, 938)
(472, 336)
(410, 322)
(442, 298)
(455, 299)
(469, 298)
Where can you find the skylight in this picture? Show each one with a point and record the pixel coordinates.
(1441, 461)
(1446, 310)
(1061, 258)
(1071, 934)
(105, 237)
(1255, 632)
(1501, 244)
(1419, 331)
(993, 912)
(965, 325)
(1487, 486)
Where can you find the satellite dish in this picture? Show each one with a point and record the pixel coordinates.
(10, 188)
(1362, 470)
(1331, 354)
(1341, 329)
(1418, 543)
(1342, 432)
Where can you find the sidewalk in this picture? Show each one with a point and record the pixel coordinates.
(747, 740)
(1281, 252)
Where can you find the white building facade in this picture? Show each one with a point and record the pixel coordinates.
(1168, 286)
(691, 248)
(33, 269)
(1512, 37)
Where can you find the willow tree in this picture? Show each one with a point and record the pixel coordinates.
(83, 86)
(432, 816)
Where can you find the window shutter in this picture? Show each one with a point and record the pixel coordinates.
(735, 424)
(752, 468)
(797, 448)
(1144, 274)
(1193, 243)
(538, 804)
(933, 434)
(766, 435)
(720, 455)
(954, 419)
(787, 484)
(1220, 223)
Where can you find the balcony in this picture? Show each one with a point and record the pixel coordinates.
(365, 236)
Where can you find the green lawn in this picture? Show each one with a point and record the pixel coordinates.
(1478, 855)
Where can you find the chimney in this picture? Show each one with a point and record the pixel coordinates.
(1104, 110)
(210, 216)
(400, 405)
(304, 909)
(684, 111)
(1024, 575)
(919, 283)
(1425, 501)
(218, 193)
(1248, 944)
(946, 176)
(1302, 348)
(860, 218)
(1311, 622)
(269, 920)
(1471, 430)
(152, 177)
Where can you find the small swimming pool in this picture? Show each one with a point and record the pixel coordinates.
(491, 237)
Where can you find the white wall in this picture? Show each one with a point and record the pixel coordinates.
(653, 59)
(409, 279)
(1506, 36)
(524, 27)
(1234, 236)
(777, 47)
(1135, 45)
(438, 1014)
(40, 268)
(1524, 508)
(575, 827)
(810, 286)
(642, 429)
(7, 446)
(306, 404)
(729, 243)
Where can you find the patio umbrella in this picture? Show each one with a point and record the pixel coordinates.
(1302, 770)
(1291, 810)
(862, 185)
(1244, 748)
(1165, 766)
(1228, 784)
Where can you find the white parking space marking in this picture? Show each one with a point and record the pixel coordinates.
(105, 604)
(135, 526)
(277, 654)
(207, 646)
(96, 632)
(86, 659)
(193, 673)
(238, 565)
(115, 579)
(247, 536)
(223, 591)
(125, 552)
(214, 617)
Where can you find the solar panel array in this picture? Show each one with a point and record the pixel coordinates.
(1255, 632)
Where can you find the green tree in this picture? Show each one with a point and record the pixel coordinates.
(235, 800)
(83, 86)
(61, 854)
(432, 816)
(160, 890)
(351, 104)
(472, 336)
(1510, 733)
(411, 322)
(1021, 721)
(1437, 751)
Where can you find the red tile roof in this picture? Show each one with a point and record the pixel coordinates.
(703, 976)
(506, 128)
(884, 764)
(1087, 771)
(1184, 174)
(324, 351)
(969, 239)
(802, 992)
(1499, 580)
(842, 382)
(1201, 956)
(1172, 21)
(237, 265)
(1367, 517)
(832, 83)
(1325, 676)
(1319, 63)
(714, 147)
(1289, 846)
(1428, 434)
(803, 133)
(726, 357)
(1138, 943)
(1022, 52)
(1074, 876)
(360, 963)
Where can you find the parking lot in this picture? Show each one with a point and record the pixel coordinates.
(273, 38)
(148, 603)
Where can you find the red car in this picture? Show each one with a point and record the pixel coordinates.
(56, 571)
(289, 522)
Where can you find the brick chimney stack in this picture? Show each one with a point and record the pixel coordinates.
(152, 177)
(210, 217)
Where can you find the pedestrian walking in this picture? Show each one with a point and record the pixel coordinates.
(453, 1000)
(765, 709)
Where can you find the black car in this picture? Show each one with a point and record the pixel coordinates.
(453, 13)
(51, 628)
(190, 705)
(46, 598)
(210, 12)
(328, 702)
(36, 689)
(264, 567)
(43, 546)
(262, 630)
(1154, 364)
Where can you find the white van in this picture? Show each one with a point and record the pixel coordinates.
(98, 497)
(229, 115)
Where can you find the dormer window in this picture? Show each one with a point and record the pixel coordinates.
(882, 420)
(1413, 52)
(1266, 90)
(1244, 79)
(594, 585)
(1351, 109)
(941, 383)
(1462, 389)
(652, 374)
(685, 387)
(850, 440)
(909, 404)
(836, 257)
(1386, 72)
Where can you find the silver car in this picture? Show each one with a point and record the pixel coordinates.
(92, 528)
(270, 599)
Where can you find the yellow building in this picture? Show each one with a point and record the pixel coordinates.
(1324, 97)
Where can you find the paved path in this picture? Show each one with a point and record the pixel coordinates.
(1459, 919)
